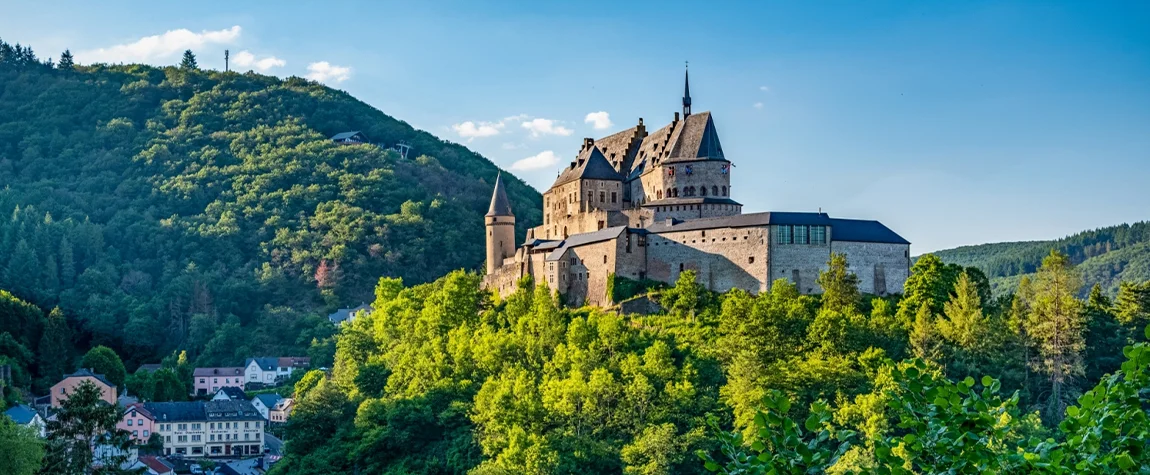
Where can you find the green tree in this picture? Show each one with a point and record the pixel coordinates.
(66, 62)
(23, 269)
(840, 286)
(189, 60)
(85, 421)
(1055, 323)
(22, 448)
(1132, 305)
(930, 282)
(54, 352)
(105, 361)
(1104, 336)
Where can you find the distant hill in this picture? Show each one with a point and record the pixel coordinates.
(173, 202)
(1105, 256)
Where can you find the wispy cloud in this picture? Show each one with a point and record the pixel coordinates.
(758, 105)
(324, 71)
(544, 159)
(764, 88)
(245, 59)
(540, 127)
(159, 47)
(598, 120)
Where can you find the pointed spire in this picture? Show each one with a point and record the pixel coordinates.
(686, 92)
(500, 205)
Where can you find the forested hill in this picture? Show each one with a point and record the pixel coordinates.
(182, 204)
(1104, 256)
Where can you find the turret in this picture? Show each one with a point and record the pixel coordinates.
(500, 224)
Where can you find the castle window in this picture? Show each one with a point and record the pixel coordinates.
(602, 197)
(702, 191)
(801, 236)
(604, 258)
(671, 171)
(714, 190)
(704, 234)
(680, 267)
(724, 190)
(675, 192)
(751, 260)
(818, 235)
(614, 196)
(784, 235)
(659, 195)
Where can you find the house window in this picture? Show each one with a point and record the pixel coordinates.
(212, 437)
(196, 426)
(63, 391)
(146, 432)
(181, 451)
(801, 236)
(129, 422)
(135, 434)
(818, 234)
(196, 438)
(784, 235)
(197, 450)
(139, 422)
(201, 380)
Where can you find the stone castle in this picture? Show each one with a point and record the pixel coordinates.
(650, 205)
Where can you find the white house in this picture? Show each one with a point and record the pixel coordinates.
(28, 417)
(264, 404)
(271, 370)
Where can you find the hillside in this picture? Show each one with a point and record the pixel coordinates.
(186, 204)
(1104, 256)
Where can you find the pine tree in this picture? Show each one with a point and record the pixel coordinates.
(23, 270)
(55, 348)
(1133, 306)
(924, 338)
(964, 325)
(67, 263)
(840, 285)
(66, 61)
(1104, 336)
(1056, 325)
(189, 61)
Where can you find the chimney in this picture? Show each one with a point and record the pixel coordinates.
(640, 121)
(671, 221)
(676, 118)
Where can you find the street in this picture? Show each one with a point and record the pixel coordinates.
(274, 445)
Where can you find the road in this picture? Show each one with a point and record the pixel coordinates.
(274, 445)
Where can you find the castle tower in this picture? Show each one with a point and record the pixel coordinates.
(500, 224)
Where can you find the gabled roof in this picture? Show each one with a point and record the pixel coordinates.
(87, 372)
(293, 361)
(156, 464)
(283, 404)
(265, 363)
(345, 135)
(140, 410)
(268, 400)
(221, 371)
(232, 392)
(589, 165)
(343, 314)
(202, 411)
(854, 230)
(21, 414)
(581, 239)
(697, 139)
(500, 205)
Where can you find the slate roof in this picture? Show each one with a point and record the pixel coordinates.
(293, 361)
(203, 411)
(221, 371)
(233, 392)
(21, 414)
(345, 313)
(580, 239)
(87, 372)
(156, 464)
(269, 400)
(150, 367)
(696, 139)
(345, 135)
(140, 410)
(854, 230)
(589, 165)
(265, 363)
(500, 205)
(692, 201)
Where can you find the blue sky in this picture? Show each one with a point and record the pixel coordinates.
(952, 122)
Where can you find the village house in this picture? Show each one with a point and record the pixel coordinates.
(354, 137)
(139, 422)
(264, 404)
(209, 380)
(347, 315)
(26, 416)
(281, 411)
(67, 385)
(270, 371)
(209, 428)
(230, 393)
(156, 466)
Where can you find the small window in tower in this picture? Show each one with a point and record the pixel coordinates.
(714, 190)
(702, 191)
(680, 267)
(751, 260)
(724, 190)
(604, 258)
(704, 234)
(614, 196)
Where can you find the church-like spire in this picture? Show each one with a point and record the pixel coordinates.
(500, 205)
(686, 93)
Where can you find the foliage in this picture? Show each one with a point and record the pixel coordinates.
(22, 448)
(102, 360)
(85, 421)
(184, 204)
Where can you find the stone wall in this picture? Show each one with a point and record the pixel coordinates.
(723, 258)
(877, 265)
(798, 263)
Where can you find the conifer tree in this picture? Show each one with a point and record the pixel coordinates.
(1056, 325)
(1104, 336)
(23, 270)
(55, 348)
(1132, 306)
(67, 263)
(924, 338)
(840, 285)
(189, 61)
(67, 63)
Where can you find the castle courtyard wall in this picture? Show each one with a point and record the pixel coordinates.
(877, 265)
(723, 258)
(798, 263)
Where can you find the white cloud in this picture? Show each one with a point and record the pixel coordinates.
(158, 47)
(758, 105)
(471, 129)
(599, 120)
(764, 89)
(245, 58)
(539, 127)
(324, 71)
(544, 159)
(513, 146)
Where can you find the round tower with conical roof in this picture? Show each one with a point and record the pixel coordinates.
(500, 224)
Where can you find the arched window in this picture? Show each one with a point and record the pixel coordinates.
(724, 190)
(668, 192)
(715, 190)
(659, 195)
(702, 191)
(675, 192)
(564, 232)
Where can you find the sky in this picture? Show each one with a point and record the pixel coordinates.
(953, 123)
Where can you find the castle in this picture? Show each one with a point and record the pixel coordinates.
(650, 205)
